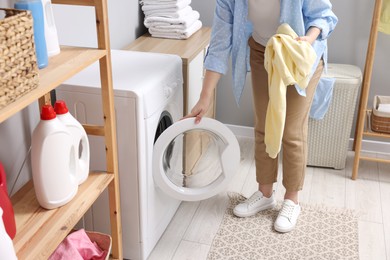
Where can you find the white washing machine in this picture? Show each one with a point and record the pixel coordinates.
(149, 99)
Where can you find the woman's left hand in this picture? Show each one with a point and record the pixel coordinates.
(310, 36)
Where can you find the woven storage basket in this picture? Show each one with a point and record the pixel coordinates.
(18, 66)
(380, 120)
(328, 138)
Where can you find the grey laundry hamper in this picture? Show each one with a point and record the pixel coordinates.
(328, 138)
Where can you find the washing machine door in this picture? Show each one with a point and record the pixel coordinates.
(195, 161)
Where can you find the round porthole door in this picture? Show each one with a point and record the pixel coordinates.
(194, 162)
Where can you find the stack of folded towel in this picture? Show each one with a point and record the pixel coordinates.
(174, 19)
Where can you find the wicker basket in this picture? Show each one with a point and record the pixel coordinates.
(18, 66)
(104, 241)
(380, 120)
(328, 138)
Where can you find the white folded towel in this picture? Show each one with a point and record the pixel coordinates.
(170, 27)
(174, 14)
(157, 2)
(175, 6)
(177, 34)
(165, 10)
(187, 20)
(153, 1)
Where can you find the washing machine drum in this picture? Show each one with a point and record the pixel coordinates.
(193, 162)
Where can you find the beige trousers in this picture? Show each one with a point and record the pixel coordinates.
(294, 141)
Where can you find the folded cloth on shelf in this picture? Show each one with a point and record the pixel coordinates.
(169, 27)
(142, 2)
(186, 20)
(384, 108)
(157, 2)
(150, 13)
(174, 6)
(177, 34)
(167, 13)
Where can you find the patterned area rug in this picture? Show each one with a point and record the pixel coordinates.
(321, 233)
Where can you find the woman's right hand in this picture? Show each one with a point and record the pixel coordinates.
(200, 108)
(210, 82)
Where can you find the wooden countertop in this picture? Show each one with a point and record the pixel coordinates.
(187, 49)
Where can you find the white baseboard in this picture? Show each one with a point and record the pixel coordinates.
(367, 145)
(372, 146)
(242, 131)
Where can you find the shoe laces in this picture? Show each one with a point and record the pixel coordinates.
(253, 199)
(287, 211)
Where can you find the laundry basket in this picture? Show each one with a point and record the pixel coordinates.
(380, 119)
(81, 244)
(328, 138)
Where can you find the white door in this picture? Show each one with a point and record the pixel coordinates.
(195, 161)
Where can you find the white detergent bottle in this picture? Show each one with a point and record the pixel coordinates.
(53, 47)
(53, 161)
(80, 139)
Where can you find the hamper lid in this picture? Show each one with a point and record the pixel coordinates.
(344, 73)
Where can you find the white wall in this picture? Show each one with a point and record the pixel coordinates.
(76, 25)
(15, 140)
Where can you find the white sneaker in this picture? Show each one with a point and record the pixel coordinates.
(257, 202)
(288, 216)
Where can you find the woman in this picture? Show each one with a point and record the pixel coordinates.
(237, 23)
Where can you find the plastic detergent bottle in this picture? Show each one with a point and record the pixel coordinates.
(80, 139)
(53, 47)
(35, 6)
(6, 205)
(53, 161)
(7, 250)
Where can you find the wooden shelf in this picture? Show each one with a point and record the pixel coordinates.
(40, 231)
(69, 62)
(186, 49)
(361, 124)
(75, 2)
(368, 132)
(374, 134)
(367, 127)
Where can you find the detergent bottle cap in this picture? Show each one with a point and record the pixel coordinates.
(60, 107)
(48, 112)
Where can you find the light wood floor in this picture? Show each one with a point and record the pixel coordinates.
(191, 231)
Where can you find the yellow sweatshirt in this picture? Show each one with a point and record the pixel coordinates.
(287, 62)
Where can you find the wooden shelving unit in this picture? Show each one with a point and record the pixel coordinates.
(39, 231)
(63, 66)
(361, 130)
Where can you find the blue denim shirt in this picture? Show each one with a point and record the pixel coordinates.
(231, 31)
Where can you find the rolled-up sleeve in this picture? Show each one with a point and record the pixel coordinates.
(218, 53)
(318, 13)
